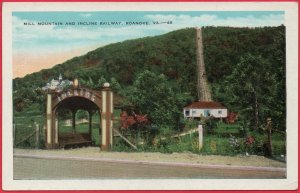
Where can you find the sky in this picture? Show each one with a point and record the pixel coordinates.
(38, 46)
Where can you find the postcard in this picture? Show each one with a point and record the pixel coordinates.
(150, 96)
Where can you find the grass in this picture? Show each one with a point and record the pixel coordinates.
(216, 142)
(25, 124)
(227, 128)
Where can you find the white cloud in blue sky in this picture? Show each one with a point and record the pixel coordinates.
(49, 38)
(86, 15)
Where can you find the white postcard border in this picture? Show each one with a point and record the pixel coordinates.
(291, 23)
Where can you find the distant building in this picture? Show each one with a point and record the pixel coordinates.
(57, 85)
(205, 109)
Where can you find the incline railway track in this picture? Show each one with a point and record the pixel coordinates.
(203, 91)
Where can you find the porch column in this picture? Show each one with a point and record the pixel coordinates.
(106, 117)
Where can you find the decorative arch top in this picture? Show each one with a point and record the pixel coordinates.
(85, 93)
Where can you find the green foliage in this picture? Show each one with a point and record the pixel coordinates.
(100, 83)
(257, 89)
(239, 78)
(115, 85)
(279, 147)
(210, 124)
(25, 133)
(190, 124)
(225, 130)
(81, 114)
(153, 95)
(121, 146)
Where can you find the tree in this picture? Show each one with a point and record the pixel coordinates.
(153, 95)
(115, 85)
(100, 82)
(254, 86)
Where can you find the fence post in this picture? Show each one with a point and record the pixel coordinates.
(37, 135)
(200, 130)
(14, 135)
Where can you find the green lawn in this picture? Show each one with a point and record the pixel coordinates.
(216, 142)
(227, 128)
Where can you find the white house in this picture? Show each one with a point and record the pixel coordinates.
(204, 109)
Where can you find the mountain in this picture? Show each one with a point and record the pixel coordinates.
(174, 55)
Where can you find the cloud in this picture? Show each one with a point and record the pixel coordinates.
(51, 37)
(86, 15)
(214, 20)
(25, 36)
(40, 38)
(39, 32)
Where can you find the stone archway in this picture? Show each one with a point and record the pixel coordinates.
(80, 98)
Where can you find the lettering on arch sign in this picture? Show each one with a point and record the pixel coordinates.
(79, 92)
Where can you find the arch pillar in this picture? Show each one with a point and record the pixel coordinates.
(48, 134)
(107, 118)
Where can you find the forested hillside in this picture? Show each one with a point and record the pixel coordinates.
(245, 67)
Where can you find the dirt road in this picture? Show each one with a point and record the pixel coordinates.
(33, 168)
(89, 163)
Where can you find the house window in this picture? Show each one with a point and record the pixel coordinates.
(187, 113)
(193, 112)
(219, 112)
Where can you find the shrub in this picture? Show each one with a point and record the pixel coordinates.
(190, 124)
(211, 124)
(279, 147)
(122, 146)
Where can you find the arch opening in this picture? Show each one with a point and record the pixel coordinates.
(78, 122)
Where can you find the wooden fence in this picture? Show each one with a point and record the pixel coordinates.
(35, 133)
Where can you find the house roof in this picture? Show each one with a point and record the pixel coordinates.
(205, 105)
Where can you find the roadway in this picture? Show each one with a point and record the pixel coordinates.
(56, 167)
